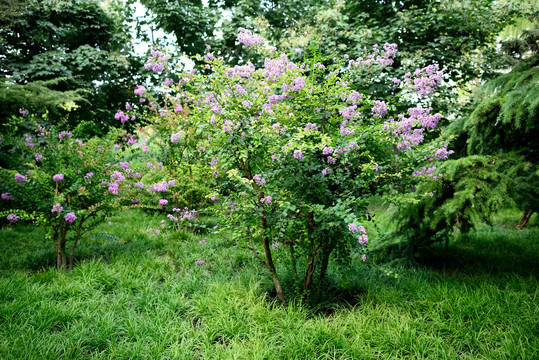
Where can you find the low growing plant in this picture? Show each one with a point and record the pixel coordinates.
(67, 186)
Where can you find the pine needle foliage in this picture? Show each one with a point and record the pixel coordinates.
(506, 117)
(473, 188)
(497, 167)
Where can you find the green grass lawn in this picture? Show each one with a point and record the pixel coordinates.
(135, 295)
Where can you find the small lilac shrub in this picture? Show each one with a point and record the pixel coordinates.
(295, 150)
(69, 188)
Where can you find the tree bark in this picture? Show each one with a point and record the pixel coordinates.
(311, 267)
(526, 215)
(269, 262)
(72, 254)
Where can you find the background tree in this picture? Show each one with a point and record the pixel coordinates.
(84, 42)
(497, 146)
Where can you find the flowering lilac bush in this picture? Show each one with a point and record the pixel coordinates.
(69, 188)
(296, 150)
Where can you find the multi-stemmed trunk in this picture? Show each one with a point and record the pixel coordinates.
(60, 239)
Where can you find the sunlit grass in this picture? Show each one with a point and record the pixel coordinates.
(135, 295)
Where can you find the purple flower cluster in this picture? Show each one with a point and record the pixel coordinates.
(70, 217)
(157, 61)
(380, 57)
(20, 179)
(122, 117)
(58, 177)
(65, 134)
(163, 202)
(424, 81)
(28, 141)
(177, 136)
(12, 218)
(57, 208)
(298, 154)
(162, 186)
(266, 200)
(259, 180)
(379, 110)
(6, 196)
(326, 171)
(140, 90)
(247, 38)
(199, 262)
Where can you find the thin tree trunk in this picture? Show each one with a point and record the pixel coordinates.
(269, 261)
(323, 269)
(311, 267)
(191, 190)
(72, 254)
(526, 215)
(293, 259)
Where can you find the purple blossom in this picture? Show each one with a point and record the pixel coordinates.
(177, 136)
(113, 188)
(326, 171)
(132, 140)
(266, 200)
(363, 257)
(140, 90)
(20, 179)
(12, 218)
(298, 84)
(379, 109)
(311, 126)
(70, 217)
(203, 241)
(135, 201)
(28, 140)
(118, 176)
(6, 196)
(259, 180)
(247, 38)
(65, 134)
(199, 262)
(121, 116)
(275, 246)
(57, 208)
(363, 239)
(38, 157)
(163, 202)
(298, 154)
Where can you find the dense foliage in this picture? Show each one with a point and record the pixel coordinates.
(82, 44)
(296, 150)
(66, 186)
(497, 166)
